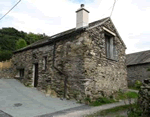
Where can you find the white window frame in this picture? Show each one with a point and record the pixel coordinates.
(44, 62)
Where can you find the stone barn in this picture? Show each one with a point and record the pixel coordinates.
(137, 66)
(88, 60)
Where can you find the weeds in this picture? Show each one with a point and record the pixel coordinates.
(101, 101)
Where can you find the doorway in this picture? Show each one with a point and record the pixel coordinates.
(35, 78)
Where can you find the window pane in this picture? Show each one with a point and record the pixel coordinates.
(107, 39)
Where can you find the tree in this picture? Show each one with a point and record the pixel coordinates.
(12, 39)
(21, 43)
(5, 55)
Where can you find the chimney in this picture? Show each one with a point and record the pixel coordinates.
(82, 17)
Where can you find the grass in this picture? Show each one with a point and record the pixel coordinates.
(110, 111)
(115, 110)
(101, 101)
(104, 100)
(129, 94)
(134, 88)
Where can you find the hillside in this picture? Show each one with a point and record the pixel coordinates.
(11, 39)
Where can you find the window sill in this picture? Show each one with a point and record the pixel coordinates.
(112, 59)
(18, 78)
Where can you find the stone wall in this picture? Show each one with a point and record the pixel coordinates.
(6, 69)
(144, 98)
(80, 62)
(137, 72)
(104, 76)
(6, 73)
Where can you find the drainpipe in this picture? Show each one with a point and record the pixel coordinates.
(79, 30)
(66, 76)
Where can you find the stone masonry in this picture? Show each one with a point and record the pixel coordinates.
(6, 73)
(82, 66)
(144, 98)
(137, 72)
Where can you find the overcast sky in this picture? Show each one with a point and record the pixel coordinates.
(131, 17)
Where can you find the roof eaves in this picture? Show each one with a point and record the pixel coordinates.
(118, 34)
(137, 64)
(52, 39)
(98, 24)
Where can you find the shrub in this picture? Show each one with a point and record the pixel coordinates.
(87, 100)
(138, 84)
(5, 55)
(134, 111)
(21, 43)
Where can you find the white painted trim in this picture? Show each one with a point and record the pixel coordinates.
(109, 31)
(33, 75)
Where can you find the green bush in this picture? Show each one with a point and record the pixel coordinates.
(5, 55)
(138, 84)
(21, 43)
(134, 111)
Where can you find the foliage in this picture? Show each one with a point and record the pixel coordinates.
(5, 55)
(21, 43)
(120, 96)
(10, 36)
(110, 111)
(31, 37)
(133, 87)
(101, 101)
(105, 100)
(87, 100)
(138, 84)
(129, 94)
(134, 110)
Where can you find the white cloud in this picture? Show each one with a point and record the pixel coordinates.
(131, 17)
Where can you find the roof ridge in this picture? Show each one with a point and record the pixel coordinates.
(75, 28)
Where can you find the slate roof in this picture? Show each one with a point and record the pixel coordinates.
(43, 42)
(138, 58)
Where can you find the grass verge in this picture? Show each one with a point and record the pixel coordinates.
(109, 111)
(118, 97)
(134, 88)
(129, 94)
(101, 101)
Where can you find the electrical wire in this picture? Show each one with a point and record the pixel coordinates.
(107, 10)
(10, 9)
(113, 8)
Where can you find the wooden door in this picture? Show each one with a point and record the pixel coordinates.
(36, 75)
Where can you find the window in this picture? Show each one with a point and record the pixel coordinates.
(21, 73)
(44, 62)
(111, 52)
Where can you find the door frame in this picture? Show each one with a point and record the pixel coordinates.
(35, 75)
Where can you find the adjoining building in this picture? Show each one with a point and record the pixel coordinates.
(137, 66)
(88, 60)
